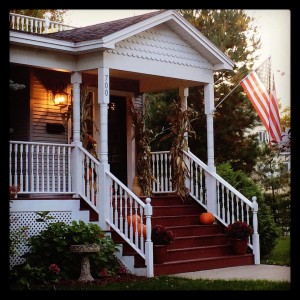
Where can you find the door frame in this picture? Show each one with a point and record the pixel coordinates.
(129, 135)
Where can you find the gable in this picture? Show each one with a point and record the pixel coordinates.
(161, 44)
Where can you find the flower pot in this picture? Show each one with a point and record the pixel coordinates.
(239, 246)
(160, 253)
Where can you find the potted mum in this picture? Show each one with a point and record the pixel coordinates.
(239, 232)
(161, 238)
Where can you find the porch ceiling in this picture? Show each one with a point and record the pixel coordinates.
(150, 83)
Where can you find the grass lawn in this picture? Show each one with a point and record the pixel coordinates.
(169, 283)
(281, 254)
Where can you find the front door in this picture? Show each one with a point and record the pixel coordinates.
(117, 141)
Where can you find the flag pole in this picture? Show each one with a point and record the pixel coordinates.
(226, 96)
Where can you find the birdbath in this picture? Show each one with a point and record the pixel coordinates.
(85, 251)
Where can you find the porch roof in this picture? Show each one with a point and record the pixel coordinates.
(101, 30)
(104, 36)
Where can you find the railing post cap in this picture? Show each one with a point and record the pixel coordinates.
(254, 198)
(148, 200)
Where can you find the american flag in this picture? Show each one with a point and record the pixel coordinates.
(260, 89)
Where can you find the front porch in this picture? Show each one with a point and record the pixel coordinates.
(161, 51)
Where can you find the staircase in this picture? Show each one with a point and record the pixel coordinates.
(196, 247)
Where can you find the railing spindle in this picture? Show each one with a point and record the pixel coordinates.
(21, 168)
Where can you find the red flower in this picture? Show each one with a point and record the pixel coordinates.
(103, 272)
(122, 270)
(101, 235)
(161, 236)
(239, 230)
(54, 268)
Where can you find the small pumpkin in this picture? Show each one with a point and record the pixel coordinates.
(140, 228)
(206, 218)
(132, 219)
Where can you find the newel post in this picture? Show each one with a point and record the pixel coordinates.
(149, 243)
(255, 236)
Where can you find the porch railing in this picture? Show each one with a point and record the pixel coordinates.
(36, 25)
(161, 169)
(40, 167)
(231, 205)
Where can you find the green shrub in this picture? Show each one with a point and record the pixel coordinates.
(52, 247)
(267, 229)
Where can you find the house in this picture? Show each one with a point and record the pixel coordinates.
(114, 64)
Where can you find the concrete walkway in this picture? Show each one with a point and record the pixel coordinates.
(253, 272)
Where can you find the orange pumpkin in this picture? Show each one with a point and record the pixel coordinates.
(132, 219)
(206, 218)
(141, 228)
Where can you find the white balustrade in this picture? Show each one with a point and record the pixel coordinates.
(161, 169)
(40, 167)
(36, 25)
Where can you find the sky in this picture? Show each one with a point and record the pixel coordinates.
(273, 28)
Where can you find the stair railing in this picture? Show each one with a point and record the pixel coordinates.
(88, 172)
(231, 205)
(124, 204)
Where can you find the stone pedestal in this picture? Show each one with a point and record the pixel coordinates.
(85, 251)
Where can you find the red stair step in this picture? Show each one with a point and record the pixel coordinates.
(192, 230)
(193, 265)
(199, 252)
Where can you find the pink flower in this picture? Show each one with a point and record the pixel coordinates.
(54, 268)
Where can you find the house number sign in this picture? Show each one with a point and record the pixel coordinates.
(103, 84)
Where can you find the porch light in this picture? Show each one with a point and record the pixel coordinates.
(59, 97)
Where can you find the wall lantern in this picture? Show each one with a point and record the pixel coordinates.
(59, 97)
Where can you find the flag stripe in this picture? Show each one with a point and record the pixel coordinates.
(275, 129)
(261, 94)
(257, 100)
(264, 101)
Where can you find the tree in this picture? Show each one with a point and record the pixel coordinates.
(285, 118)
(272, 175)
(55, 14)
(232, 31)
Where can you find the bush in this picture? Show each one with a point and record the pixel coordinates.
(50, 257)
(267, 229)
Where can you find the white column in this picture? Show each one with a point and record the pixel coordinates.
(76, 157)
(209, 106)
(103, 99)
(76, 80)
(210, 180)
(104, 181)
(183, 94)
